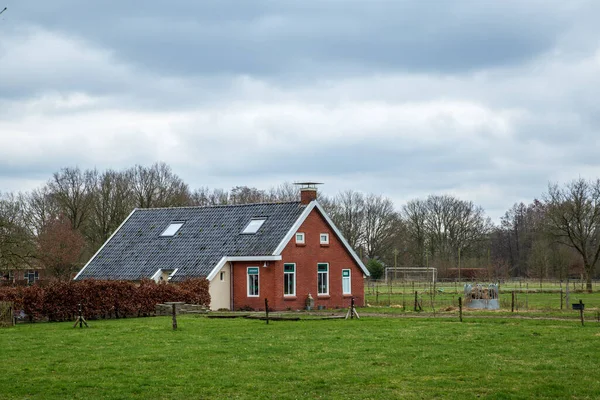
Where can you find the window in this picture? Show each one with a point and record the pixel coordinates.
(222, 276)
(289, 279)
(322, 278)
(324, 237)
(254, 225)
(11, 276)
(172, 229)
(299, 238)
(253, 282)
(31, 276)
(346, 282)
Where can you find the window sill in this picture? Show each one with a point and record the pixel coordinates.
(300, 244)
(324, 244)
(323, 296)
(286, 298)
(347, 296)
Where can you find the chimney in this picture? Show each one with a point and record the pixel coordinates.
(308, 191)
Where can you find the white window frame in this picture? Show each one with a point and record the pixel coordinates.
(327, 279)
(254, 226)
(29, 273)
(349, 278)
(293, 273)
(248, 281)
(326, 241)
(303, 238)
(172, 229)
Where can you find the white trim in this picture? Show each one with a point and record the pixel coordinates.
(226, 259)
(303, 241)
(289, 273)
(349, 281)
(288, 236)
(299, 223)
(248, 281)
(172, 273)
(327, 293)
(105, 243)
(156, 275)
(321, 241)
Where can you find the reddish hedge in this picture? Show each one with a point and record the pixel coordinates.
(58, 300)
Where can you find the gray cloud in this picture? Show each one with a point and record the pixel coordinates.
(485, 100)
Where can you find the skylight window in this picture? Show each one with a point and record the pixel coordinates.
(254, 225)
(172, 229)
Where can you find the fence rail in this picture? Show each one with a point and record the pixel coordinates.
(529, 295)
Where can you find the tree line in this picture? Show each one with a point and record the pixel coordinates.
(59, 225)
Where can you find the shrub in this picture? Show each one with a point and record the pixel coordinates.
(59, 300)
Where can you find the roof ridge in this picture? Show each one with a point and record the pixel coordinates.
(220, 205)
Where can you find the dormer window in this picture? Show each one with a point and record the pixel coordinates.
(254, 225)
(172, 229)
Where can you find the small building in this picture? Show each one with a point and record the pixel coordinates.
(280, 251)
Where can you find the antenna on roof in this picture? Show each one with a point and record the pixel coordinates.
(308, 185)
(308, 191)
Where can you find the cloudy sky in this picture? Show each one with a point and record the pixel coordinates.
(485, 100)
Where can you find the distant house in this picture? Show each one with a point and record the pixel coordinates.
(279, 251)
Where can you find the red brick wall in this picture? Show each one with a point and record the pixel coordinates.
(306, 258)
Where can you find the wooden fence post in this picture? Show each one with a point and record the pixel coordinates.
(581, 311)
(174, 317)
(416, 300)
(512, 303)
(561, 299)
(460, 308)
(267, 310)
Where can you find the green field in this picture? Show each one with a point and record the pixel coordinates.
(239, 358)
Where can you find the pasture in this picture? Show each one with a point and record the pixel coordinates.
(369, 358)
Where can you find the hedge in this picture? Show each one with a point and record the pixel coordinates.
(58, 300)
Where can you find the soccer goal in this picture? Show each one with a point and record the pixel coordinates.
(411, 274)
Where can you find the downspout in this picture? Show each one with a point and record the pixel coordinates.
(231, 305)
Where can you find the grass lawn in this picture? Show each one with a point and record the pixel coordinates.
(238, 358)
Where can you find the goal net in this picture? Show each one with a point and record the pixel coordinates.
(411, 274)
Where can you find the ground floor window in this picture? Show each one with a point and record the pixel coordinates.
(31, 276)
(323, 278)
(346, 282)
(289, 279)
(253, 289)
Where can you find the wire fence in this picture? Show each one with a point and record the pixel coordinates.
(514, 295)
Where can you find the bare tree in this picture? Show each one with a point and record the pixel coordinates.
(158, 186)
(70, 188)
(17, 249)
(111, 202)
(414, 214)
(573, 217)
(246, 195)
(380, 219)
(348, 214)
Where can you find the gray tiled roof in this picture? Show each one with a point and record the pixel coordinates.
(137, 250)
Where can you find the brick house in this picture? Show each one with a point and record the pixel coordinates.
(280, 251)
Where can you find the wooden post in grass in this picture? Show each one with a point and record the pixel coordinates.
(561, 299)
(460, 308)
(416, 300)
(267, 310)
(80, 320)
(512, 303)
(581, 311)
(567, 294)
(174, 317)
